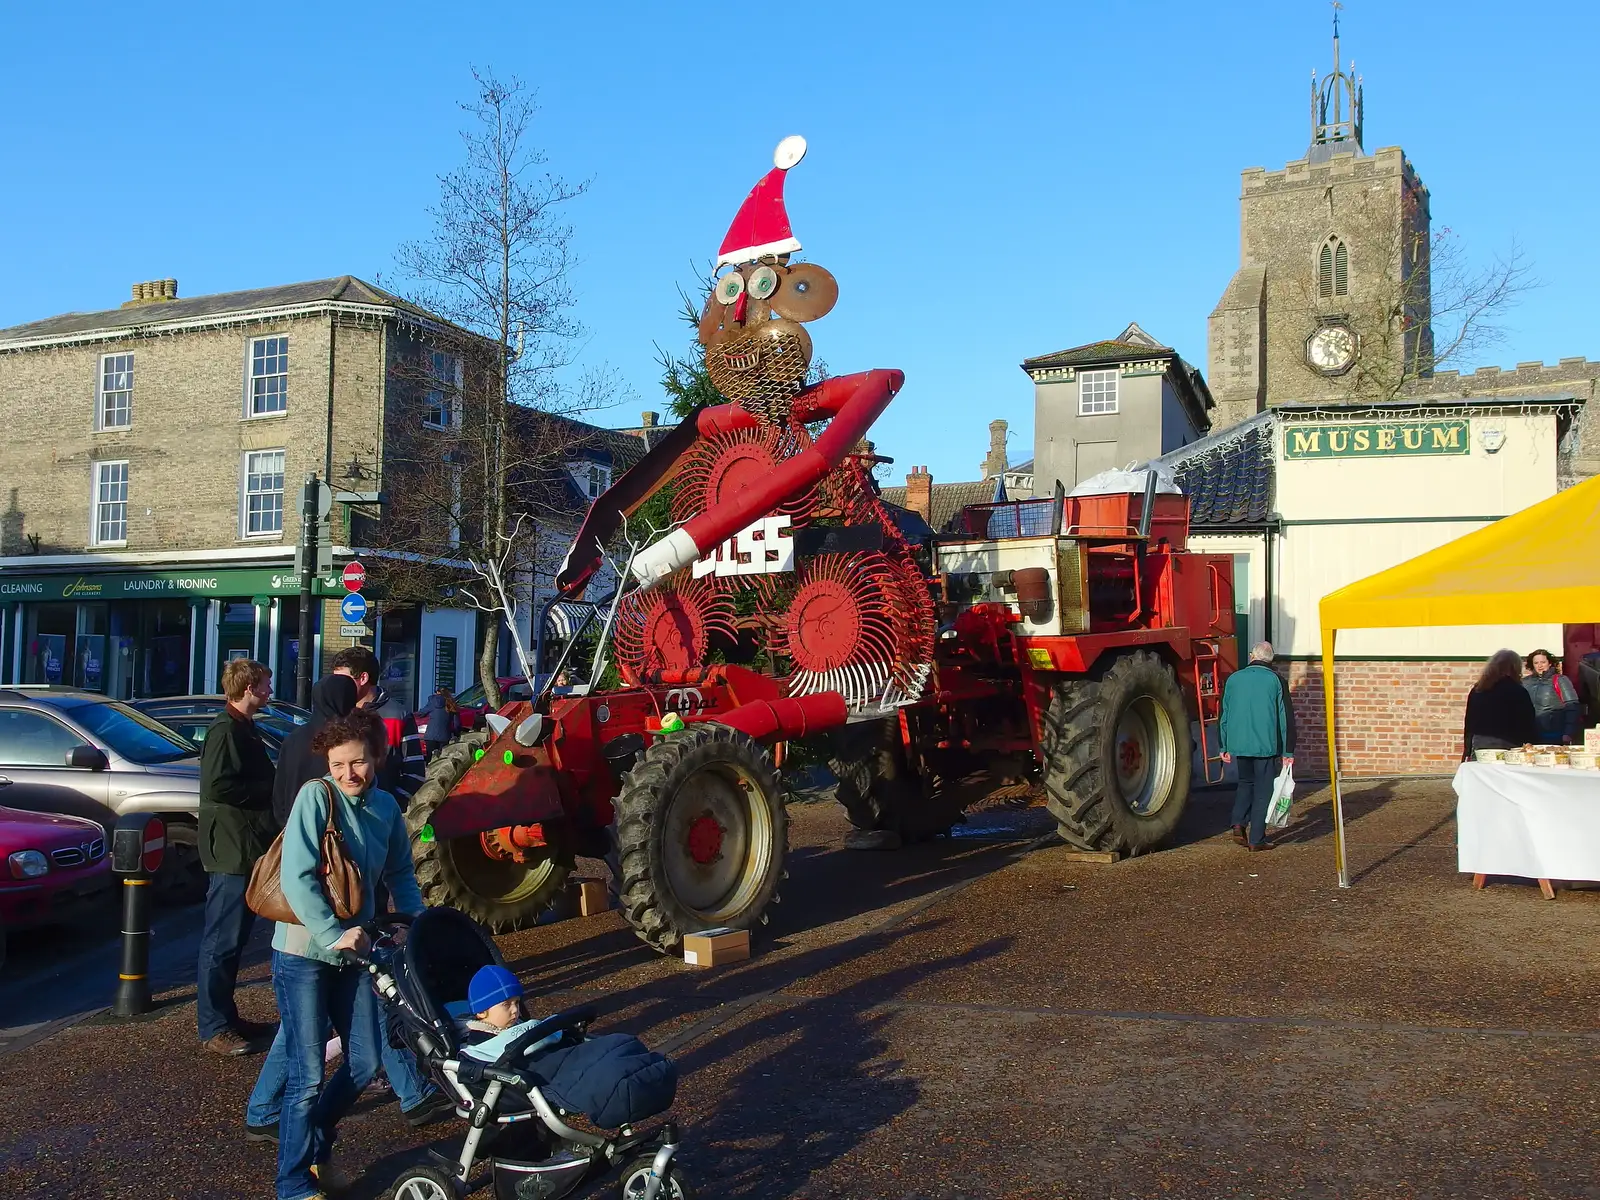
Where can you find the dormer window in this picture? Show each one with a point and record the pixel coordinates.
(1333, 269)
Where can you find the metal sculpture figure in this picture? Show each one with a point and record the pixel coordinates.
(782, 552)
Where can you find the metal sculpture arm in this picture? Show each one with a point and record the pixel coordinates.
(854, 402)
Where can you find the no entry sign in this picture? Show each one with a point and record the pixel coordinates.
(354, 576)
(155, 845)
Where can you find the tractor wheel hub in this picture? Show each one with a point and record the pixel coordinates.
(705, 839)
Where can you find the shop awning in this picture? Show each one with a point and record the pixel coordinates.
(1537, 566)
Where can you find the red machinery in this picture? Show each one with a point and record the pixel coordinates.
(788, 601)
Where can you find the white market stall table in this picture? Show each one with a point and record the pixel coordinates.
(1530, 822)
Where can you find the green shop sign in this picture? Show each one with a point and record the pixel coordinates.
(1384, 440)
(156, 585)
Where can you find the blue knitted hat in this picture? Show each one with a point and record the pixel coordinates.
(490, 986)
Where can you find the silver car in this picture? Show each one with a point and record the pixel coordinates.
(67, 751)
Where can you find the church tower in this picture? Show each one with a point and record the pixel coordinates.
(1330, 302)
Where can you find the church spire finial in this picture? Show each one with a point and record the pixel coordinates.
(1337, 107)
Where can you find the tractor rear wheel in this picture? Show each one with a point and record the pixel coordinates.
(877, 788)
(499, 893)
(703, 834)
(1117, 756)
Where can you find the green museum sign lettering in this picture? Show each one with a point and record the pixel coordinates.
(1376, 441)
(156, 585)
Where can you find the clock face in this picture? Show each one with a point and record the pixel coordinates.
(1331, 349)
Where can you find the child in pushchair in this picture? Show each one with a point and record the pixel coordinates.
(521, 1089)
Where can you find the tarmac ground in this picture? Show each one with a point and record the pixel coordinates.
(983, 1017)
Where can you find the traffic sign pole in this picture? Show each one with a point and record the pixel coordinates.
(308, 575)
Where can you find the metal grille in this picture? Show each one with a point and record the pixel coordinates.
(1073, 598)
(77, 856)
(1017, 518)
(763, 371)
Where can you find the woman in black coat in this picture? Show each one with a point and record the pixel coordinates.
(1499, 711)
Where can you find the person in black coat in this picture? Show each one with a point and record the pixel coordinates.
(1500, 713)
(441, 722)
(334, 696)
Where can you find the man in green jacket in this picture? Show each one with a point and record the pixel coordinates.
(1257, 734)
(236, 828)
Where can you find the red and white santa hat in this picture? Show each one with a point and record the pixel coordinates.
(762, 225)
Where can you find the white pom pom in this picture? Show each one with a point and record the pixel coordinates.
(790, 151)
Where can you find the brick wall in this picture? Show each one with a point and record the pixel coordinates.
(1395, 718)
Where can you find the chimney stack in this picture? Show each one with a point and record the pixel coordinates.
(649, 419)
(153, 290)
(919, 493)
(995, 463)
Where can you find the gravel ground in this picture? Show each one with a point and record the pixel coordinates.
(984, 1017)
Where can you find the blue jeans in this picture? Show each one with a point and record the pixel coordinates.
(266, 1099)
(228, 922)
(1254, 793)
(311, 996)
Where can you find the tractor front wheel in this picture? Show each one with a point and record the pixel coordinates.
(1117, 756)
(703, 834)
(503, 892)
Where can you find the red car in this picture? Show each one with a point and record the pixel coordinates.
(52, 868)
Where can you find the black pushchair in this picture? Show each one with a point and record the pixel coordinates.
(522, 1098)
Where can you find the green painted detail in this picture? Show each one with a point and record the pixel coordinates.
(509, 758)
(477, 754)
(1386, 439)
(671, 723)
(426, 835)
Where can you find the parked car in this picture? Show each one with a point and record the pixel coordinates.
(191, 716)
(473, 702)
(84, 755)
(53, 869)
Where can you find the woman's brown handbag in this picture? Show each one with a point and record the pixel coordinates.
(341, 877)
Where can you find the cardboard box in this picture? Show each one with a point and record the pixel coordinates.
(592, 897)
(716, 947)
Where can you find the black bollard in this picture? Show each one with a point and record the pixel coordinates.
(137, 845)
(133, 980)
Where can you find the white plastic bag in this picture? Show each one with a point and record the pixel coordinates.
(1282, 798)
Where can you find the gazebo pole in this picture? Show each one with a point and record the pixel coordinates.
(1340, 861)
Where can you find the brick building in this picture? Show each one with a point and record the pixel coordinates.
(148, 510)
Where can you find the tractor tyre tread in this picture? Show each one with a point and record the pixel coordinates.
(1079, 740)
(876, 790)
(655, 915)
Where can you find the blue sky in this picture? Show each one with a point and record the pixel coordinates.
(986, 185)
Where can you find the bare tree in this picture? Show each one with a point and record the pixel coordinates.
(1419, 304)
(478, 441)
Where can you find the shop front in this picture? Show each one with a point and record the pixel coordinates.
(135, 634)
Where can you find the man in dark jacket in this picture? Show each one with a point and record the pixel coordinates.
(1257, 734)
(441, 722)
(402, 771)
(333, 696)
(236, 828)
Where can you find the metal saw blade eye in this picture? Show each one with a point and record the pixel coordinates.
(729, 287)
(763, 282)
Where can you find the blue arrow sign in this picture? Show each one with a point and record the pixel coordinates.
(353, 608)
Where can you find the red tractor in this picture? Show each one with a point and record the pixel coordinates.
(1072, 641)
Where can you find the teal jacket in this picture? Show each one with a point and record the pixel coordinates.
(375, 836)
(1257, 718)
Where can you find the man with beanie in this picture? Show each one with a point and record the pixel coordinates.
(1257, 734)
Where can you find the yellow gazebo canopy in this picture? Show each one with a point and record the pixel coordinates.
(1537, 566)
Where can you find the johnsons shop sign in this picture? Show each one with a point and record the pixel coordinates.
(236, 582)
(1382, 439)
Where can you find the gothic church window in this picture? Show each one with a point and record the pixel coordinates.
(1333, 269)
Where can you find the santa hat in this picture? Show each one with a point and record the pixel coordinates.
(762, 226)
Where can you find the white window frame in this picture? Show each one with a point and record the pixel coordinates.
(451, 400)
(100, 393)
(96, 501)
(1095, 403)
(250, 377)
(582, 471)
(245, 493)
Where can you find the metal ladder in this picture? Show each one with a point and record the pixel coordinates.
(1208, 692)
